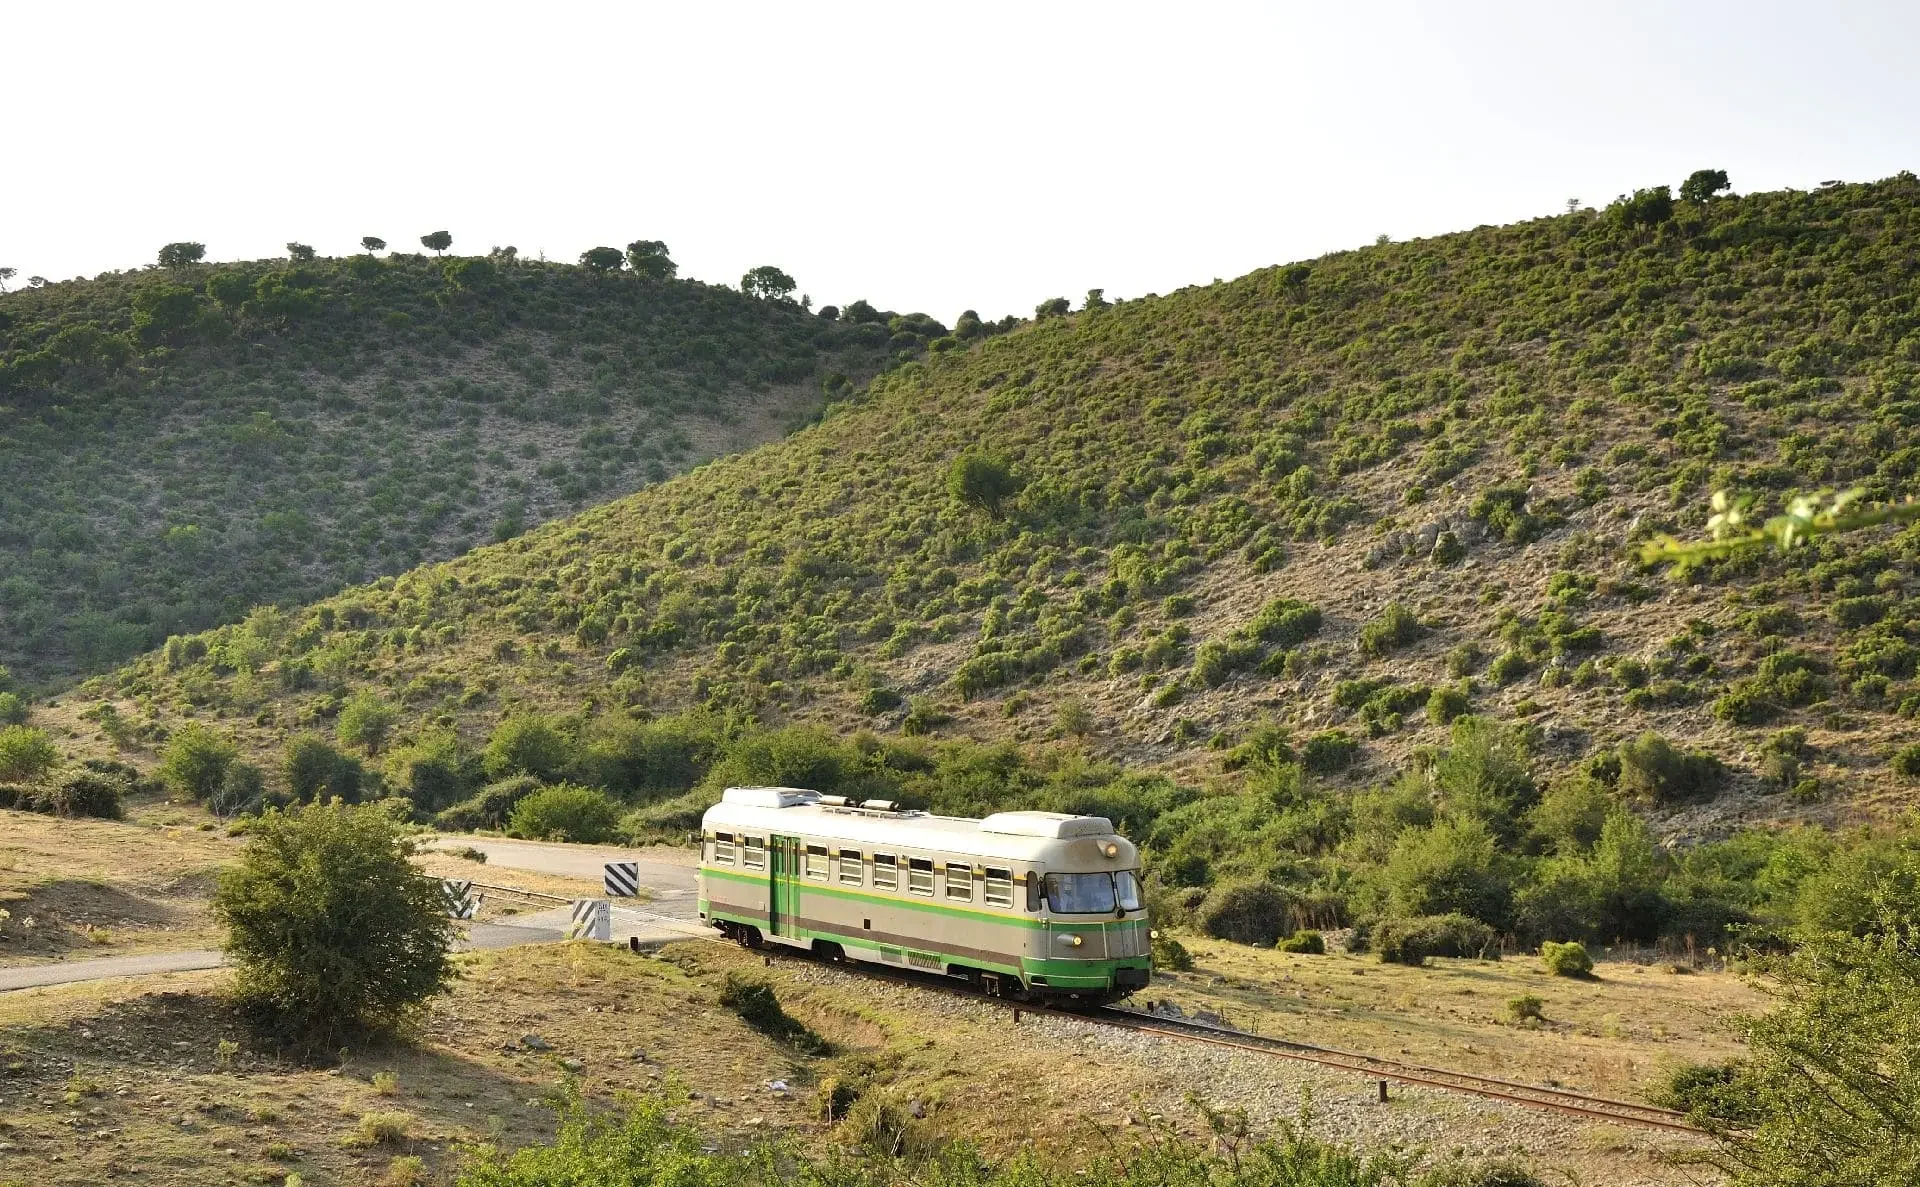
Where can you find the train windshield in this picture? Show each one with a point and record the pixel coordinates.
(1093, 894)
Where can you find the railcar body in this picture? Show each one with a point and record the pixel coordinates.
(1032, 904)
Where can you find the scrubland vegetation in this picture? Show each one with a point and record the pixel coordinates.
(188, 441)
(1326, 584)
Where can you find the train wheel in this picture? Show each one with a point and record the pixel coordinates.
(748, 937)
(828, 951)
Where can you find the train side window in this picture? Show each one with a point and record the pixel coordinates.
(817, 862)
(1034, 901)
(753, 852)
(850, 872)
(886, 872)
(999, 887)
(960, 882)
(920, 877)
(723, 849)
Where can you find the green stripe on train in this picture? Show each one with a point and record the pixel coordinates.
(1060, 974)
(920, 904)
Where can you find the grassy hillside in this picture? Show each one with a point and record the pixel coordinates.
(1350, 498)
(184, 443)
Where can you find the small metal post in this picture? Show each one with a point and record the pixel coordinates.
(1383, 1092)
(766, 962)
(1016, 1017)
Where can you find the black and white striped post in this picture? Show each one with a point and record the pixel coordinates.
(462, 903)
(592, 920)
(622, 879)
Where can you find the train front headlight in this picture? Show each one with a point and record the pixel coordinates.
(1069, 939)
(1110, 849)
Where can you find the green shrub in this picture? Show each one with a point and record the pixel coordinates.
(1445, 704)
(528, 744)
(983, 481)
(565, 812)
(876, 701)
(1411, 941)
(1305, 941)
(1250, 912)
(1396, 627)
(1284, 622)
(1170, 954)
(332, 928)
(1508, 667)
(1329, 751)
(13, 710)
(26, 754)
(365, 721)
(81, 792)
(1566, 960)
(195, 760)
(1463, 659)
(923, 717)
(1526, 1008)
(1653, 768)
(1705, 1090)
(1906, 763)
(315, 770)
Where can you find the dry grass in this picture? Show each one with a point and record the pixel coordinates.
(107, 887)
(181, 1082)
(1610, 1035)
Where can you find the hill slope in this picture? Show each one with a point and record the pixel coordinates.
(184, 443)
(1314, 495)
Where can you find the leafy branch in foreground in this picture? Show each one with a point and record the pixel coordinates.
(1803, 519)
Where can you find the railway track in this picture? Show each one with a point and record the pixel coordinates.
(1532, 1096)
(1558, 1100)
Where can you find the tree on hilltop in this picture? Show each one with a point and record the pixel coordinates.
(1646, 208)
(373, 243)
(179, 255)
(602, 259)
(768, 283)
(1052, 307)
(7, 274)
(1702, 184)
(648, 257)
(437, 242)
(300, 253)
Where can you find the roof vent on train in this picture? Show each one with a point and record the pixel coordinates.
(1055, 825)
(769, 797)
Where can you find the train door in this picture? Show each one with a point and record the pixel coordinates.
(783, 887)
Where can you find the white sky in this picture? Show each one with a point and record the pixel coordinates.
(934, 157)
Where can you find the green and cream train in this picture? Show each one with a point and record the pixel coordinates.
(1026, 904)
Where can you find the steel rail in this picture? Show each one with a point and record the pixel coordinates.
(1533, 1096)
(1559, 1100)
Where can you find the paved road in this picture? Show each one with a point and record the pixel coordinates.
(65, 971)
(670, 914)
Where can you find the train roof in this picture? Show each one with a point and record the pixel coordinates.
(1018, 836)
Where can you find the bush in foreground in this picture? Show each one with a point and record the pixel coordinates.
(334, 931)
